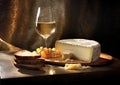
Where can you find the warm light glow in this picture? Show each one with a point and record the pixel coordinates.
(51, 71)
(38, 14)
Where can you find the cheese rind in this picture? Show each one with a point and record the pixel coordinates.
(83, 49)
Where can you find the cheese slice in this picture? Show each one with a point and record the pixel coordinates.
(82, 49)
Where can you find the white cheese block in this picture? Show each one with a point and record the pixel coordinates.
(82, 49)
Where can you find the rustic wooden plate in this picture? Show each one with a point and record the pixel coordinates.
(103, 60)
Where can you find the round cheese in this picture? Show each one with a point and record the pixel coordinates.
(83, 49)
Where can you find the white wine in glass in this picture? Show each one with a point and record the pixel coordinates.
(46, 25)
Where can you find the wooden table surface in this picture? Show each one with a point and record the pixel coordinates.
(56, 74)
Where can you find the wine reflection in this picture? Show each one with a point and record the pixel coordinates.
(50, 70)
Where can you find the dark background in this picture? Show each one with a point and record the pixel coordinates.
(98, 20)
(91, 19)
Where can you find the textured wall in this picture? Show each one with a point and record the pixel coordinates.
(17, 22)
(92, 19)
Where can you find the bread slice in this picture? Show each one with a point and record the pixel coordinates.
(31, 67)
(26, 55)
(28, 60)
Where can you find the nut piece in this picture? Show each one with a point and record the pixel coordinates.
(72, 66)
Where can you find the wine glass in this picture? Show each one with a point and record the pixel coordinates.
(45, 23)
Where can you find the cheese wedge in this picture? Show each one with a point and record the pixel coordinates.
(82, 49)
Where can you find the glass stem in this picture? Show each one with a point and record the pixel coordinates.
(45, 42)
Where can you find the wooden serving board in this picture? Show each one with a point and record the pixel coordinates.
(104, 59)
